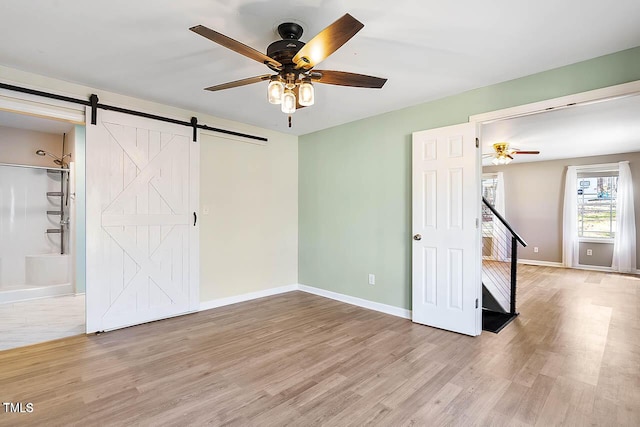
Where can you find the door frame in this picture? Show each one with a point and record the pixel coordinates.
(568, 101)
(604, 94)
(539, 107)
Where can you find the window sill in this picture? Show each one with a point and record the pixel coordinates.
(595, 240)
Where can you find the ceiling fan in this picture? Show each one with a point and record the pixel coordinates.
(502, 154)
(293, 62)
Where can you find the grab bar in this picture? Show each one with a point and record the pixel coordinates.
(53, 230)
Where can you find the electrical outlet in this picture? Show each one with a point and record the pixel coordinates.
(589, 252)
(372, 279)
(535, 249)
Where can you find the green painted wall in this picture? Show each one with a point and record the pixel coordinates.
(355, 179)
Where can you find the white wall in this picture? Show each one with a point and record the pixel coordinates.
(232, 261)
(20, 146)
(250, 235)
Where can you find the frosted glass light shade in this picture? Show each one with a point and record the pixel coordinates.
(501, 160)
(275, 91)
(288, 102)
(306, 94)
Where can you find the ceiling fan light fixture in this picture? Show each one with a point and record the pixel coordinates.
(275, 91)
(293, 60)
(288, 102)
(501, 159)
(306, 93)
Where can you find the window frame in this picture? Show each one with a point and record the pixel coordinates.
(487, 227)
(612, 168)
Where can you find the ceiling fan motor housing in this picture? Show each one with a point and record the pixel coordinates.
(284, 50)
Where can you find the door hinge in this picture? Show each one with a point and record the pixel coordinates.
(477, 223)
(476, 302)
(477, 143)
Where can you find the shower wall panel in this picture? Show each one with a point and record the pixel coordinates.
(23, 219)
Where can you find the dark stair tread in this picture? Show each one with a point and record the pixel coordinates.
(494, 321)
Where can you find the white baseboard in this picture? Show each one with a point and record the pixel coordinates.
(540, 263)
(17, 294)
(577, 267)
(594, 268)
(371, 305)
(220, 302)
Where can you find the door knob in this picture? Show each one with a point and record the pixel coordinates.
(417, 237)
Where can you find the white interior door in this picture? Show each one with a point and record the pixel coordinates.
(447, 261)
(142, 238)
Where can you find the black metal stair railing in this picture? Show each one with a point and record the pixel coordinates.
(500, 260)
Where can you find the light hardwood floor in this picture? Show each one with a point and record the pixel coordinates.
(572, 357)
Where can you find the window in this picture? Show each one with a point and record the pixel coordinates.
(489, 186)
(597, 191)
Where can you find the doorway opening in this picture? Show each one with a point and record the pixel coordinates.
(41, 292)
(585, 136)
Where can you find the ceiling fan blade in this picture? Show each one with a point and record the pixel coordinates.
(327, 41)
(526, 152)
(237, 83)
(509, 156)
(343, 78)
(235, 45)
(486, 156)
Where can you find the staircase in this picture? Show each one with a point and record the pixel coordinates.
(499, 268)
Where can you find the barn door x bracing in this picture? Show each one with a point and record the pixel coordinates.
(142, 234)
(447, 263)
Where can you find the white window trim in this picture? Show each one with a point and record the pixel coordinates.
(602, 167)
(602, 240)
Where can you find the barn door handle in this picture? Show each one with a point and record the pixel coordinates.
(195, 219)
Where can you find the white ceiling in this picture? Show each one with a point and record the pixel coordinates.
(601, 128)
(38, 124)
(427, 49)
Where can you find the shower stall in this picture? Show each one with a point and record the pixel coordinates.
(34, 230)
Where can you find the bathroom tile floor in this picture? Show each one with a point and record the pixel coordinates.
(30, 322)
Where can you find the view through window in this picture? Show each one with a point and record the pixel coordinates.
(597, 205)
(489, 185)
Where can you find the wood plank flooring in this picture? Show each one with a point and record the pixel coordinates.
(571, 358)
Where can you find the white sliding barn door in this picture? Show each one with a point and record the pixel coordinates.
(142, 197)
(447, 262)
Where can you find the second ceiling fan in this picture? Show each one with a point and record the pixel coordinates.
(293, 62)
(502, 154)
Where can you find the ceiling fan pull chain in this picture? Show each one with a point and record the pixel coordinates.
(289, 121)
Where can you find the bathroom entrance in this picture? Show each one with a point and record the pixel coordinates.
(41, 294)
